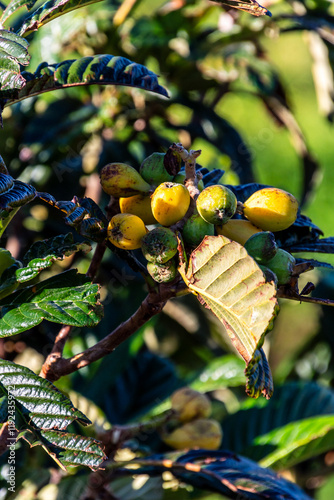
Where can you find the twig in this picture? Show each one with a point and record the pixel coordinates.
(113, 438)
(56, 366)
(289, 294)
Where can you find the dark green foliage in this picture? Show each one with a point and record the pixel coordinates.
(68, 298)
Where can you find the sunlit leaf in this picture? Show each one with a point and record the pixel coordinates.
(230, 283)
(13, 53)
(297, 442)
(68, 298)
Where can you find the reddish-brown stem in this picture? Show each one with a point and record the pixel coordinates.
(55, 366)
(283, 294)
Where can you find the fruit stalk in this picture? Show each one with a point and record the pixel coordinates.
(189, 158)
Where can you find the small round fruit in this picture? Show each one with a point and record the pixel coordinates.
(190, 404)
(262, 246)
(159, 245)
(153, 171)
(162, 273)
(238, 230)
(271, 209)
(170, 203)
(126, 231)
(200, 433)
(195, 229)
(216, 204)
(181, 177)
(282, 265)
(140, 205)
(121, 180)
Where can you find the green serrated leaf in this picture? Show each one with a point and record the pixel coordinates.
(50, 10)
(13, 52)
(230, 283)
(226, 371)
(100, 69)
(71, 449)
(68, 298)
(14, 5)
(37, 399)
(42, 254)
(297, 442)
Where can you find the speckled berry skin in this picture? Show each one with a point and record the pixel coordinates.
(170, 202)
(271, 209)
(216, 204)
(126, 231)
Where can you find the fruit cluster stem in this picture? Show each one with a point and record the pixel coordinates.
(189, 158)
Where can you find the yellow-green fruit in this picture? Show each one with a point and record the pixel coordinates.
(170, 203)
(121, 180)
(190, 404)
(195, 229)
(162, 273)
(238, 230)
(140, 205)
(181, 177)
(153, 171)
(271, 209)
(282, 265)
(159, 245)
(126, 231)
(216, 204)
(200, 433)
(6, 260)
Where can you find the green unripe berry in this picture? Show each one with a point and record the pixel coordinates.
(163, 273)
(195, 229)
(262, 246)
(282, 265)
(216, 204)
(159, 245)
(153, 171)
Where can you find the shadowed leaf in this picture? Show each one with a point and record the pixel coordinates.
(99, 69)
(223, 472)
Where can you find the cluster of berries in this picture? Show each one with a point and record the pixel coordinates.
(154, 197)
(192, 426)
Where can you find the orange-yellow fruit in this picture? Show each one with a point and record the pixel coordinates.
(238, 230)
(200, 433)
(271, 209)
(121, 180)
(126, 231)
(190, 404)
(140, 205)
(170, 203)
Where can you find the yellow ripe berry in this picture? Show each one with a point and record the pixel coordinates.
(126, 231)
(200, 433)
(271, 209)
(170, 203)
(139, 205)
(190, 404)
(121, 180)
(238, 230)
